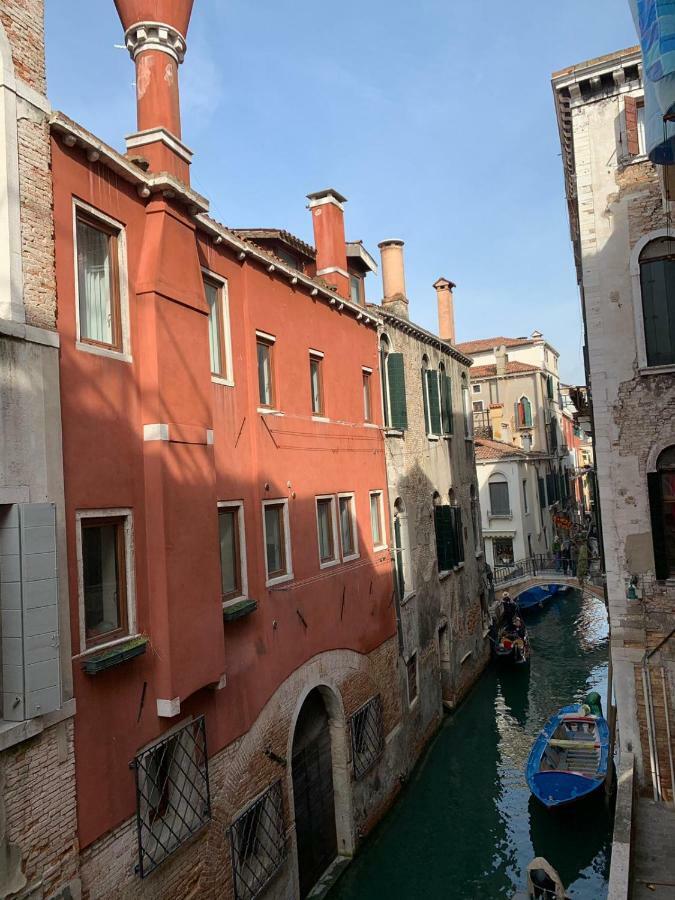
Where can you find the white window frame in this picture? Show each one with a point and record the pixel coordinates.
(288, 576)
(239, 506)
(318, 356)
(638, 312)
(366, 370)
(271, 340)
(127, 515)
(383, 529)
(228, 378)
(349, 495)
(124, 355)
(327, 564)
(384, 378)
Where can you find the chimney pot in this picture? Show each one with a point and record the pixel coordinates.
(393, 277)
(446, 309)
(501, 359)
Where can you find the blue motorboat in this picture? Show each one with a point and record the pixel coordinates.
(569, 759)
(536, 597)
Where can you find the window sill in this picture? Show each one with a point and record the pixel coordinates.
(491, 515)
(478, 554)
(434, 438)
(280, 579)
(408, 597)
(317, 418)
(13, 733)
(99, 660)
(267, 411)
(329, 564)
(446, 573)
(379, 548)
(656, 370)
(348, 559)
(119, 355)
(458, 567)
(447, 437)
(237, 609)
(393, 432)
(218, 379)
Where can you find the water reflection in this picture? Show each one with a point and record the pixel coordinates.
(466, 826)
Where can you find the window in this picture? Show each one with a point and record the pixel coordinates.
(325, 519)
(258, 843)
(348, 532)
(367, 396)
(445, 388)
(220, 349)
(402, 556)
(98, 282)
(316, 382)
(657, 281)
(549, 387)
(104, 546)
(641, 135)
(172, 793)
(384, 355)
(411, 672)
(277, 541)
(635, 126)
(449, 535)
(466, 408)
(503, 551)
(393, 387)
(232, 550)
(431, 398)
(499, 496)
(661, 485)
(367, 730)
(476, 388)
(264, 348)
(523, 413)
(478, 406)
(355, 287)
(525, 504)
(377, 520)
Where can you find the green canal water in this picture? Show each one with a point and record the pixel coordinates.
(466, 826)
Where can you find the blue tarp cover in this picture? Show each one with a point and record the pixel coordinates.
(655, 24)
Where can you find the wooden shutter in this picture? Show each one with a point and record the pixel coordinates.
(434, 402)
(427, 423)
(542, 492)
(443, 523)
(446, 403)
(457, 535)
(397, 401)
(658, 532)
(517, 418)
(632, 141)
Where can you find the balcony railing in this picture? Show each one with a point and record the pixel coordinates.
(481, 424)
(544, 564)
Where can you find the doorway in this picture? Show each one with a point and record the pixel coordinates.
(313, 793)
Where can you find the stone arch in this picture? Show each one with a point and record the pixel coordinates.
(634, 266)
(657, 448)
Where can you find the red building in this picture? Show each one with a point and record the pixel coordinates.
(235, 662)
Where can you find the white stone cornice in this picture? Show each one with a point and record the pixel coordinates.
(143, 36)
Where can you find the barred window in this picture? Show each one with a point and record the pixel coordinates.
(367, 731)
(172, 794)
(258, 844)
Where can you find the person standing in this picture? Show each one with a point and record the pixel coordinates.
(556, 552)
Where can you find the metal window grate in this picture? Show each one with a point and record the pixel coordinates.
(172, 794)
(367, 736)
(258, 843)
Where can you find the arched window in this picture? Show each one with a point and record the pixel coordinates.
(657, 282)
(402, 550)
(662, 503)
(499, 495)
(431, 398)
(394, 406)
(523, 413)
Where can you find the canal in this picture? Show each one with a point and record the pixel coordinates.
(466, 826)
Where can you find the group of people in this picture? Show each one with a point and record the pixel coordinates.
(573, 553)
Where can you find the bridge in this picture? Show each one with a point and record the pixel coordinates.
(545, 569)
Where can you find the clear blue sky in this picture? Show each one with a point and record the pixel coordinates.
(434, 118)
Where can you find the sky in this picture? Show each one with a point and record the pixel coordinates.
(435, 119)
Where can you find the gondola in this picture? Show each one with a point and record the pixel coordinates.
(543, 882)
(569, 759)
(512, 645)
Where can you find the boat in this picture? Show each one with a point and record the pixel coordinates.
(543, 882)
(512, 644)
(569, 758)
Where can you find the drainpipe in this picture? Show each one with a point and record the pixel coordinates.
(668, 737)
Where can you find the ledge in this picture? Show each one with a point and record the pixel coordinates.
(13, 733)
(239, 609)
(115, 656)
(393, 432)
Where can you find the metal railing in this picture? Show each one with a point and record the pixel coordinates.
(258, 843)
(481, 423)
(544, 564)
(367, 730)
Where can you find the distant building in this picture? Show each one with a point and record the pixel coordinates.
(620, 211)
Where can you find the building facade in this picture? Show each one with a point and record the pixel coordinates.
(38, 828)
(438, 552)
(619, 213)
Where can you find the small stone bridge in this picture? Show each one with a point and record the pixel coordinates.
(540, 571)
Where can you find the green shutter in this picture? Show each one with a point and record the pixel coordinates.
(542, 492)
(528, 413)
(661, 567)
(397, 403)
(516, 414)
(446, 403)
(457, 536)
(427, 425)
(434, 402)
(443, 522)
(549, 386)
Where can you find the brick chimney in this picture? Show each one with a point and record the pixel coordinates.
(496, 416)
(446, 310)
(501, 359)
(328, 220)
(155, 33)
(393, 277)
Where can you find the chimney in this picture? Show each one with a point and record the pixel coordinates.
(328, 220)
(154, 34)
(501, 359)
(496, 415)
(446, 310)
(393, 277)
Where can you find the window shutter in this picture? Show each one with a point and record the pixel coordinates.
(457, 536)
(427, 423)
(443, 522)
(658, 532)
(517, 415)
(434, 402)
(397, 401)
(632, 142)
(542, 492)
(446, 404)
(527, 407)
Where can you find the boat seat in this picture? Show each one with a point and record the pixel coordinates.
(573, 745)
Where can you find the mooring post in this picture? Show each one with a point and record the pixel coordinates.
(611, 724)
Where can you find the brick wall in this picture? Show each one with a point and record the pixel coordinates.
(23, 21)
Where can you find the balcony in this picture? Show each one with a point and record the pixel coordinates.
(481, 424)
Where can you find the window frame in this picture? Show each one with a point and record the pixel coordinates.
(380, 506)
(351, 496)
(123, 516)
(316, 357)
(271, 580)
(262, 338)
(95, 218)
(226, 377)
(237, 505)
(384, 348)
(367, 382)
(499, 478)
(644, 366)
(359, 289)
(335, 558)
